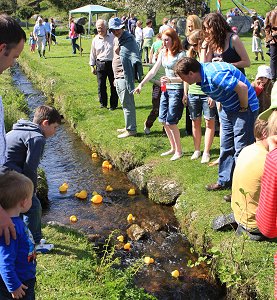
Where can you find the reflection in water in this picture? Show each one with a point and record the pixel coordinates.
(66, 159)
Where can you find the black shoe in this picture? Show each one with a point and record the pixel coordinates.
(227, 198)
(102, 106)
(256, 58)
(224, 222)
(112, 108)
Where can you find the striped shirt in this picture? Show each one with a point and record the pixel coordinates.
(219, 80)
(266, 216)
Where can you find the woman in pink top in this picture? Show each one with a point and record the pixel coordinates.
(74, 36)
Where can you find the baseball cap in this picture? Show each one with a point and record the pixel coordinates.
(115, 23)
(266, 114)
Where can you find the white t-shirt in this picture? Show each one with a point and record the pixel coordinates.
(148, 32)
(139, 34)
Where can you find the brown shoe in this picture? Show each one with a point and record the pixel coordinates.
(214, 187)
(227, 198)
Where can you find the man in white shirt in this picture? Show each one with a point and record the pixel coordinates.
(12, 39)
(101, 56)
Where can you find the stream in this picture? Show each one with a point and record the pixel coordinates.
(67, 159)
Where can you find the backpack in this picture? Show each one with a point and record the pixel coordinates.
(79, 28)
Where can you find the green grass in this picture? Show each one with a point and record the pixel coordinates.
(73, 271)
(67, 79)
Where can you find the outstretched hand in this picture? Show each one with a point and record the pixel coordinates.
(6, 226)
(137, 90)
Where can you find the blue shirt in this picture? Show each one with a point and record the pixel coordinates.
(219, 80)
(18, 260)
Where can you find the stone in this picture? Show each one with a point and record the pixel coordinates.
(135, 232)
(163, 191)
(150, 226)
(140, 175)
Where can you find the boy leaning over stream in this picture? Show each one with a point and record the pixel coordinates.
(12, 39)
(25, 145)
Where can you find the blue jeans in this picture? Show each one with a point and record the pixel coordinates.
(128, 104)
(237, 132)
(171, 106)
(32, 219)
(199, 103)
(29, 293)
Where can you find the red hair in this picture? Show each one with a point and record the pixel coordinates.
(176, 42)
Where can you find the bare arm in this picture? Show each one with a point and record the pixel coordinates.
(242, 90)
(241, 51)
(6, 226)
(149, 75)
(206, 53)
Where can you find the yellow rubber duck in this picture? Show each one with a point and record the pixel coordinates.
(175, 273)
(82, 195)
(94, 155)
(96, 199)
(131, 192)
(127, 246)
(63, 188)
(73, 219)
(120, 238)
(149, 260)
(130, 218)
(109, 188)
(105, 164)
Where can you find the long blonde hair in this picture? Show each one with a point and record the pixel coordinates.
(195, 37)
(197, 23)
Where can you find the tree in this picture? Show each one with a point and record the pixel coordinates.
(25, 12)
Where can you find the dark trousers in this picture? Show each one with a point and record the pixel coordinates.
(154, 113)
(273, 60)
(104, 70)
(188, 122)
(29, 293)
(74, 45)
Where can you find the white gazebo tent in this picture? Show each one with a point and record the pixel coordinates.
(91, 10)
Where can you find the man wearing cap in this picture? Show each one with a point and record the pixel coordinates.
(127, 67)
(101, 56)
(267, 209)
(226, 84)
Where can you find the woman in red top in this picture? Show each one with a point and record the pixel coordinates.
(73, 36)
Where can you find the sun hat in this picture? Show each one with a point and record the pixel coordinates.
(115, 23)
(266, 114)
(264, 71)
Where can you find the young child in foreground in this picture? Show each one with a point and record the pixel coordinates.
(17, 260)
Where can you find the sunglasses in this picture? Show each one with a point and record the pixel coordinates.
(193, 45)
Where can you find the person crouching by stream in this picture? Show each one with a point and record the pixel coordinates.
(127, 67)
(25, 145)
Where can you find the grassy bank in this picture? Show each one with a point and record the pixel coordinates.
(246, 266)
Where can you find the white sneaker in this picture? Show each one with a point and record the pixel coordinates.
(127, 133)
(121, 130)
(177, 156)
(168, 152)
(42, 247)
(195, 155)
(205, 158)
(146, 129)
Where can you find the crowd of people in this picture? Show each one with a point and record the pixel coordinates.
(206, 73)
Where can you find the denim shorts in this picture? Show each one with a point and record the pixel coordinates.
(171, 106)
(199, 103)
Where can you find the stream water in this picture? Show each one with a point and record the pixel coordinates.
(67, 159)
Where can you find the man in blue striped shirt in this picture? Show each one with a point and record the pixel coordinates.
(224, 83)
